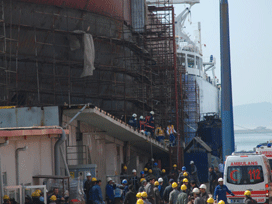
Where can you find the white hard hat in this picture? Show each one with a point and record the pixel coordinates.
(192, 162)
(88, 174)
(134, 171)
(152, 112)
(196, 190)
(141, 117)
(134, 115)
(109, 179)
(220, 179)
(160, 180)
(203, 186)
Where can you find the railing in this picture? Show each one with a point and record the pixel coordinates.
(77, 154)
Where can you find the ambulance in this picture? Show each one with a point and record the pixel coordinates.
(265, 149)
(248, 172)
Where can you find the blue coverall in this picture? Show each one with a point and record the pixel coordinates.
(221, 192)
(110, 193)
(96, 194)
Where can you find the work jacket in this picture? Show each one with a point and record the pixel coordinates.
(97, 197)
(170, 130)
(182, 198)
(109, 192)
(221, 192)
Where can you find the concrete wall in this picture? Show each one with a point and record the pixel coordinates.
(37, 159)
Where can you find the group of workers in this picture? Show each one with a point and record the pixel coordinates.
(37, 197)
(146, 126)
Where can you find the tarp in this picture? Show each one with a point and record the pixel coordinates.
(89, 51)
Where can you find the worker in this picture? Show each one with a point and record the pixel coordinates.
(157, 193)
(194, 175)
(52, 199)
(144, 198)
(170, 132)
(186, 183)
(212, 179)
(165, 179)
(218, 173)
(6, 199)
(125, 188)
(167, 191)
(150, 175)
(159, 133)
(133, 121)
(124, 174)
(143, 184)
(182, 197)
(183, 174)
(156, 171)
(210, 201)
(173, 196)
(130, 195)
(203, 193)
(56, 193)
(94, 182)
(149, 123)
(88, 185)
(174, 173)
(197, 198)
(145, 171)
(134, 180)
(36, 197)
(221, 190)
(249, 199)
(142, 175)
(142, 124)
(110, 191)
(149, 189)
(140, 201)
(97, 197)
(139, 195)
(160, 187)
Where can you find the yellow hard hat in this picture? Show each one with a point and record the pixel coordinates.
(174, 185)
(150, 171)
(185, 180)
(142, 179)
(210, 200)
(247, 193)
(145, 169)
(39, 191)
(138, 195)
(221, 202)
(35, 194)
(6, 197)
(183, 187)
(144, 195)
(185, 174)
(125, 167)
(163, 171)
(53, 198)
(94, 179)
(140, 201)
(175, 166)
(156, 183)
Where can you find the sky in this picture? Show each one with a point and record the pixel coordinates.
(250, 44)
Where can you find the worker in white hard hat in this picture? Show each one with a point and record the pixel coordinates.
(194, 175)
(133, 121)
(134, 180)
(141, 124)
(160, 187)
(220, 192)
(110, 190)
(203, 193)
(197, 198)
(88, 185)
(149, 123)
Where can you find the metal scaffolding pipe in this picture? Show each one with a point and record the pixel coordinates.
(226, 96)
(17, 162)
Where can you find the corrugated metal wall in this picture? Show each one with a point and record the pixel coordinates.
(138, 15)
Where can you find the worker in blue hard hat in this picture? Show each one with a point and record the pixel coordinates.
(183, 174)
(156, 171)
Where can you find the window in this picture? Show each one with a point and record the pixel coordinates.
(241, 175)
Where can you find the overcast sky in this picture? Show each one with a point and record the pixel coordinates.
(250, 44)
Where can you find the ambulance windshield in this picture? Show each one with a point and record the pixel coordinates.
(241, 175)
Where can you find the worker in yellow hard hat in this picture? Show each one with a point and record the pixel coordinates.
(146, 170)
(139, 195)
(174, 173)
(183, 196)
(249, 199)
(210, 201)
(165, 179)
(53, 199)
(6, 199)
(144, 197)
(183, 174)
(173, 196)
(157, 196)
(143, 183)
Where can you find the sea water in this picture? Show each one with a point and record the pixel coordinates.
(249, 141)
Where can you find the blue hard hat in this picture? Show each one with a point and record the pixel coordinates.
(142, 172)
(124, 181)
(42, 199)
(156, 164)
(183, 168)
(268, 145)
